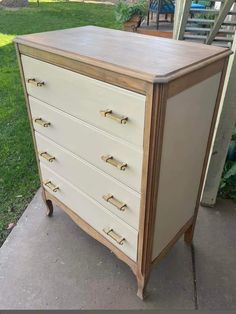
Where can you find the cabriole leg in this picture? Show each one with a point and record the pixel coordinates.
(48, 203)
(141, 282)
(49, 206)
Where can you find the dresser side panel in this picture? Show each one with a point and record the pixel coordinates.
(186, 131)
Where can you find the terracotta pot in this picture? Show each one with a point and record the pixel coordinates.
(132, 24)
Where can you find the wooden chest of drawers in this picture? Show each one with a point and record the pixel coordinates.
(122, 125)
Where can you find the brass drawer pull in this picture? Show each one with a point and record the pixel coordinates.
(109, 114)
(42, 122)
(111, 199)
(116, 237)
(51, 186)
(35, 82)
(46, 156)
(110, 160)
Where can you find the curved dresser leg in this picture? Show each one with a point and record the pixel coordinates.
(49, 206)
(141, 283)
(48, 203)
(140, 292)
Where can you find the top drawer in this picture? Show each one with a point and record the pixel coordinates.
(87, 99)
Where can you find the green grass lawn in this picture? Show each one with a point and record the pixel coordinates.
(18, 173)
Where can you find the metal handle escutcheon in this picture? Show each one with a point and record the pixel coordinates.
(116, 237)
(110, 160)
(51, 186)
(112, 200)
(109, 114)
(42, 122)
(35, 82)
(47, 156)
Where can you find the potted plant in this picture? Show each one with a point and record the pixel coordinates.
(131, 13)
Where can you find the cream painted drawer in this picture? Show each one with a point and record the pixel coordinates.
(92, 212)
(89, 143)
(90, 180)
(85, 97)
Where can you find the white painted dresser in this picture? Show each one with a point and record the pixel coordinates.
(122, 125)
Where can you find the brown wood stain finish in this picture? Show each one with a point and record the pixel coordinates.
(158, 68)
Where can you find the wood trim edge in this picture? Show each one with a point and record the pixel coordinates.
(110, 77)
(155, 114)
(123, 70)
(92, 232)
(189, 233)
(178, 235)
(87, 228)
(28, 110)
(184, 82)
(193, 68)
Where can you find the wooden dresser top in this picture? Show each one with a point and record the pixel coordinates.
(153, 59)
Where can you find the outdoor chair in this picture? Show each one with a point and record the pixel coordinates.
(166, 7)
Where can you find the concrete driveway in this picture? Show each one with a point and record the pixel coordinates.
(49, 263)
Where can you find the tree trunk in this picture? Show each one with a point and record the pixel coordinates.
(14, 3)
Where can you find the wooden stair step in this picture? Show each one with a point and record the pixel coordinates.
(207, 30)
(203, 37)
(207, 21)
(197, 29)
(217, 43)
(223, 39)
(221, 44)
(229, 23)
(200, 21)
(226, 31)
(195, 37)
(212, 11)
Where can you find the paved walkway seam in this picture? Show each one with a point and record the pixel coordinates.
(194, 277)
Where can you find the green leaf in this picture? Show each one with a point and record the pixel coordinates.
(222, 184)
(230, 172)
(125, 10)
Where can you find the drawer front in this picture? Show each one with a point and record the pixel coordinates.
(116, 197)
(89, 143)
(84, 97)
(92, 212)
